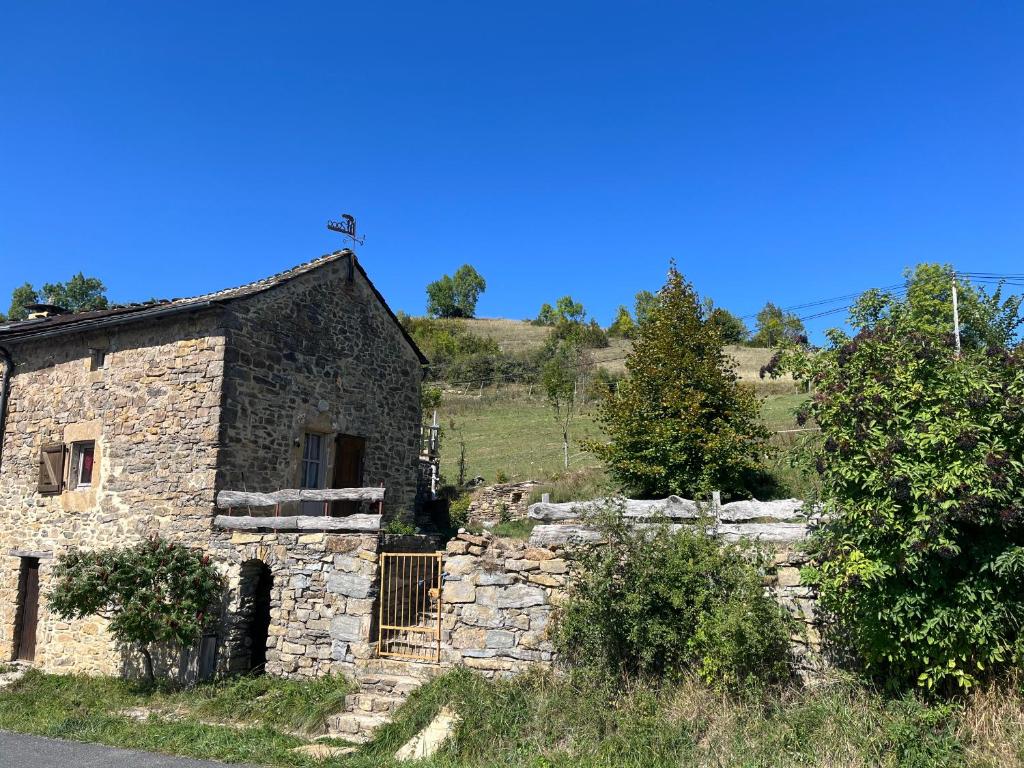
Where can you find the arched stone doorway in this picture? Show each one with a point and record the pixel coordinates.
(255, 586)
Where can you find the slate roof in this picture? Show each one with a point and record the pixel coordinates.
(60, 325)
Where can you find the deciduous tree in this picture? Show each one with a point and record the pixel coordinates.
(456, 295)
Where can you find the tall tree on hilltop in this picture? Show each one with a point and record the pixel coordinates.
(681, 422)
(775, 327)
(622, 326)
(455, 295)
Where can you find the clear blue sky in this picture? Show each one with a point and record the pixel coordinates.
(777, 150)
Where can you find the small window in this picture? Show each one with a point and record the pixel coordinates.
(97, 359)
(312, 460)
(82, 458)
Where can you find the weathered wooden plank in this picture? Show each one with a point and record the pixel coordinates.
(672, 507)
(560, 535)
(780, 532)
(230, 499)
(351, 523)
(783, 509)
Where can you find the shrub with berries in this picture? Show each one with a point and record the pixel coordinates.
(921, 460)
(153, 592)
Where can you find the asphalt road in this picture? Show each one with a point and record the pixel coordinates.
(20, 751)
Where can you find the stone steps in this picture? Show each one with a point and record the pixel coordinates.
(384, 685)
(357, 727)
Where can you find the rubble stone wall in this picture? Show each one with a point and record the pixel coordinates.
(319, 355)
(500, 596)
(322, 599)
(501, 503)
(153, 411)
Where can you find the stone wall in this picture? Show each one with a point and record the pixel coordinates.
(500, 594)
(500, 503)
(498, 599)
(324, 590)
(319, 354)
(152, 411)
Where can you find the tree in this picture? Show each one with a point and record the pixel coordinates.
(642, 303)
(775, 327)
(569, 311)
(921, 460)
(730, 327)
(561, 379)
(79, 294)
(153, 592)
(21, 297)
(681, 422)
(623, 326)
(455, 296)
(927, 306)
(546, 316)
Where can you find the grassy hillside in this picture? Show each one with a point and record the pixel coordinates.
(510, 430)
(521, 336)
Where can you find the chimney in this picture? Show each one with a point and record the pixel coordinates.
(39, 311)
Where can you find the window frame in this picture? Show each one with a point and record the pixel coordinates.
(319, 461)
(77, 463)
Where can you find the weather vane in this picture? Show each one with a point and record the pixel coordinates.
(347, 228)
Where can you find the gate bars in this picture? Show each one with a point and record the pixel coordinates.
(409, 625)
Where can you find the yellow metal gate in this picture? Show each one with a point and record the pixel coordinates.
(409, 625)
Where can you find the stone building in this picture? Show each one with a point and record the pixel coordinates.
(123, 423)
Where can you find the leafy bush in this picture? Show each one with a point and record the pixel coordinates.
(680, 421)
(458, 510)
(458, 356)
(663, 603)
(922, 468)
(152, 592)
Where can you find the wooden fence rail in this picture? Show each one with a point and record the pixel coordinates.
(232, 499)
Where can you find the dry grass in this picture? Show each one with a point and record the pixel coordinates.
(992, 726)
(512, 335)
(518, 336)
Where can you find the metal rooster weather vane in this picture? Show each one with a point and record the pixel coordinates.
(347, 228)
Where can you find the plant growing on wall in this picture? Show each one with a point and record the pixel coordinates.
(921, 461)
(680, 421)
(657, 602)
(153, 592)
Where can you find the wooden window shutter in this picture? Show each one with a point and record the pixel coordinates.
(51, 468)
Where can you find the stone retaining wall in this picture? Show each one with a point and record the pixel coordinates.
(324, 590)
(500, 596)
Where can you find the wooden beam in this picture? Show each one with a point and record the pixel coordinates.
(352, 523)
(231, 499)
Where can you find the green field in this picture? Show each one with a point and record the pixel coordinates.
(510, 431)
(513, 432)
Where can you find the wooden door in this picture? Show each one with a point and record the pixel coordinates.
(28, 605)
(349, 452)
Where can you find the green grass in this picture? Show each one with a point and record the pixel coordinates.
(260, 715)
(514, 529)
(543, 720)
(511, 431)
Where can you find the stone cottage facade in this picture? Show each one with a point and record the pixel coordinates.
(124, 423)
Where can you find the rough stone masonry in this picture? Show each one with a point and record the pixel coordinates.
(179, 400)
